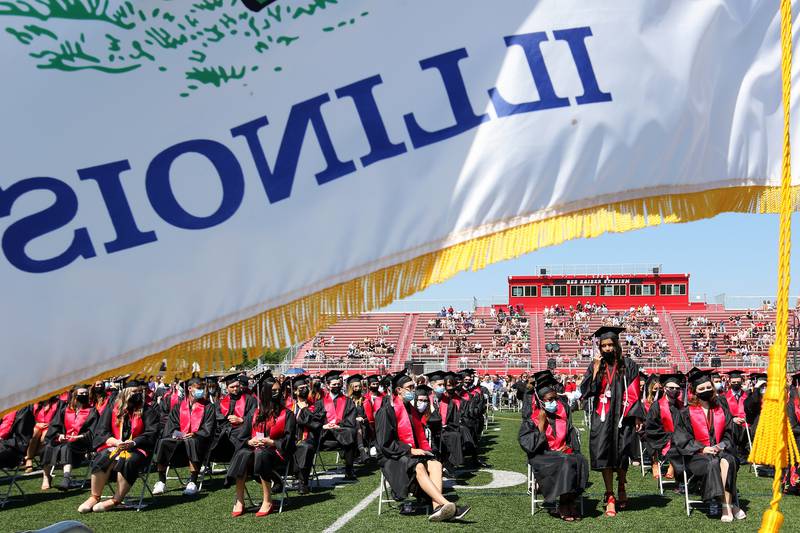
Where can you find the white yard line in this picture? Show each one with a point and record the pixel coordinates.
(349, 515)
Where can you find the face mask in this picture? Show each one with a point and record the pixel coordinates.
(422, 406)
(609, 356)
(551, 406)
(762, 390)
(198, 394)
(99, 390)
(673, 393)
(302, 394)
(736, 386)
(335, 391)
(408, 396)
(719, 386)
(438, 391)
(705, 395)
(374, 388)
(356, 393)
(82, 398)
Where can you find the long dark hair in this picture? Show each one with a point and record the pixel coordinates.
(620, 359)
(267, 406)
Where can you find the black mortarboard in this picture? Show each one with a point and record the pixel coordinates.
(244, 381)
(543, 381)
(608, 332)
(714, 373)
(423, 390)
(332, 375)
(434, 376)
(758, 375)
(193, 381)
(134, 383)
(399, 379)
(354, 377)
(299, 380)
(449, 375)
(262, 376)
(230, 378)
(374, 378)
(468, 372)
(796, 379)
(697, 377)
(735, 374)
(676, 378)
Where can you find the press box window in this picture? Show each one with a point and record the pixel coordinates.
(673, 290)
(554, 290)
(613, 290)
(523, 290)
(643, 290)
(517, 291)
(582, 290)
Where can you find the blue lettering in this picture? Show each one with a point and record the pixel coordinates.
(20, 233)
(575, 38)
(162, 198)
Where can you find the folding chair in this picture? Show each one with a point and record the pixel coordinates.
(533, 490)
(388, 500)
(754, 466)
(642, 464)
(140, 504)
(661, 481)
(10, 477)
(78, 481)
(687, 499)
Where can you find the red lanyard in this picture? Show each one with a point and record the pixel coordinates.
(610, 376)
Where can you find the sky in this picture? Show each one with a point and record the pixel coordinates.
(732, 254)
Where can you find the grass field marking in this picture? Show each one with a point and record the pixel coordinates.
(349, 515)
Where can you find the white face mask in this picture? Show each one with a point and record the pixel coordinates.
(422, 406)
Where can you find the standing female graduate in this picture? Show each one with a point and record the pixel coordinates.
(705, 433)
(553, 448)
(186, 437)
(272, 442)
(404, 453)
(659, 426)
(69, 437)
(124, 437)
(611, 383)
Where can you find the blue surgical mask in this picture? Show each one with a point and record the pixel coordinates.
(409, 396)
(719, 386)
(198, 393)
(551, 406)
(438, 390)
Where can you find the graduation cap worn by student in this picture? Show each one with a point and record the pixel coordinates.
(423, 391)
(735, 374)
(399, 379)
(677, 378)
(332, 375)
(796, 379)
(355, 378)
(697, 377)
(436, 375)
(608, 332)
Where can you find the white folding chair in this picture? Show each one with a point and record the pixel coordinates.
(533, 490)
(384, 496)
(753, 466)
(687, 499)
(661, 481)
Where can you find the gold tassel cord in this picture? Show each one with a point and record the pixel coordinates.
(774, 442)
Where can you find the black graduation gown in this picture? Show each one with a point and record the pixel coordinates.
(71, 453)
(131, 466)
(612, 442)
(228, 439)
(309, 422)
(267, 462)
(345, 436)
(446, 438)
(557, 473)
(178, 452)
(366, 430)
(657, 437)
(394, 456)
(794, 421)
(13, 448)
(707, 467)
(752, 411)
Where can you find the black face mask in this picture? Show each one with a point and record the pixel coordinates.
(736, 386)
(136, 399)
(356, 393)
(673, 393)
(275, 394)
(609, 356)
(99, 390)
(336, 390)
(706, 395)
(374, 388)
(82, 399)
(302, 393)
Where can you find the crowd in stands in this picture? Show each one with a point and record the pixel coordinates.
(741, 339)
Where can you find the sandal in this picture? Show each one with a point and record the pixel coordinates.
(622, 500)
(86, 507)
(611, 503)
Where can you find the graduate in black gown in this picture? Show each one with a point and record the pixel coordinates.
(310, 417)
(444, 420)
(611, 384)
(753, 401)
(16, 429)
(186, 437)
(705, 434)
(124, 438)
(404, 453)
(69, 437)
(659, 426)
(339, 429)
(271, 428)
(471, 410)
(553, 448)
(364, 415)
(791, 478)
(231, 411)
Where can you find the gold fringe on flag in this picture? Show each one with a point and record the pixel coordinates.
(774, 442)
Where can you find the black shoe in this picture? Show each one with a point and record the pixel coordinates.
(714, 509)
(302, 488)
(277, 486)
(407, 509)
(461, 512)
(66, 483)
(349, 475)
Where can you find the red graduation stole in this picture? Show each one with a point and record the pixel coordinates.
(666, 421)
(700, 423)
(7, 425)
(633, 396)
(289, 402)
(101, 405)
(735, 406)
(444, 405)
(376, 400)
(192, 416)
(74, 420)
(368, 410)
(554, 441)
(43, 414)
(334, 415)
(238, 408)
(410, 428)
(797, 407)
(311, 407)
(647, 405)
(271, 427)
(137, 427)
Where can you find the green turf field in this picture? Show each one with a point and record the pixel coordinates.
(499, 509)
